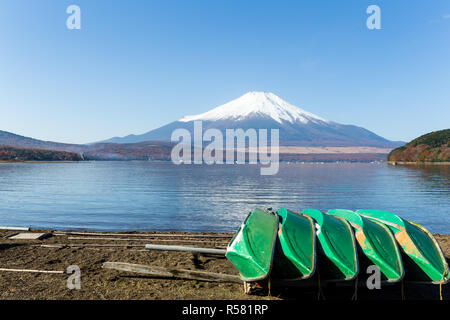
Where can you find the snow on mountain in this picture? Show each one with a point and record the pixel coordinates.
(257, 104)
(264, 110)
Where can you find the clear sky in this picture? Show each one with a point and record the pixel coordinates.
(137, 65)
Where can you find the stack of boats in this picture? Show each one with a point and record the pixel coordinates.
(336, 246)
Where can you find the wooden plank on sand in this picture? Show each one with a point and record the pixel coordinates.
(28, 236)
(163, 247)
(30, 270)
(172, 273)
(146, 240)
(65, 233)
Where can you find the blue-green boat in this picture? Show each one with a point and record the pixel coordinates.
(252, 248)
(295, 254)
(377, 244)
(337, 253)
(422, 256)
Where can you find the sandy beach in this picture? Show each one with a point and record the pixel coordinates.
(90, 251)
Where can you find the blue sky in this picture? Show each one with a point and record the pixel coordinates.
(137, 65)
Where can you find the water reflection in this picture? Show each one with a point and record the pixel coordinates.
(162, 196)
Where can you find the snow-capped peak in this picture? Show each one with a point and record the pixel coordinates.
(257, 104)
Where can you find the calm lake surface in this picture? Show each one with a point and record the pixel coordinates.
(114, 196)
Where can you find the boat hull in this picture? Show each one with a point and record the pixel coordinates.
(377, 245)
(251, 250)
(422, 256)
(295, 254)
(336, 249)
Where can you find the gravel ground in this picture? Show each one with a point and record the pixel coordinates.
(98, 283)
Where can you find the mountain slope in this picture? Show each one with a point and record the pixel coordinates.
(14, 146)
(157, 150)
(431, 147)
(263, 110)
(28, 154)
(18, 141)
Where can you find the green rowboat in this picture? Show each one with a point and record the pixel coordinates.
(377, 243)
(295, 254)
(423, 258)
(251, 249)
(337, 254)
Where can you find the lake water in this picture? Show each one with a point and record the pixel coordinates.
(114, 196)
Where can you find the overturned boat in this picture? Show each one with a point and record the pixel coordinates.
(377, 244)
(422, 256)
(295, 254)
(251, 250)
(337, 254)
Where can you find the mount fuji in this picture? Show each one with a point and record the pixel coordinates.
(265, 110)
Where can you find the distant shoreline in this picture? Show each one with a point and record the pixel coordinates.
(37, 161)
(418, 163)
(281, 161)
